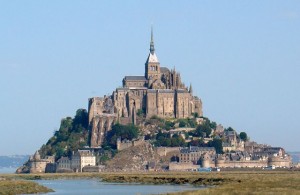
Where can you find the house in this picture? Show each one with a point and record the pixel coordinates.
(82, 158)
(64, 163)
(193, 154)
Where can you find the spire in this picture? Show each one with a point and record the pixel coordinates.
(191, 89)
(152, 42)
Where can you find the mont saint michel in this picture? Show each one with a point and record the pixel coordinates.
(153, 122)
(149, 97)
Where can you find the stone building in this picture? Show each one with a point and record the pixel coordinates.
(64, 164)
(82, 158)
(193, 154)
(160, 92)
(39, 165)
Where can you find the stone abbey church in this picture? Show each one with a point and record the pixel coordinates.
(159, 92)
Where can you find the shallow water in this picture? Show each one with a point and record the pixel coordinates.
(93, 186)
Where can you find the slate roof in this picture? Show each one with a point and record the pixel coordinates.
(196, 149)
(181, 91)
(166, 91)
(164, 70)
(135, 78)
(151, 91)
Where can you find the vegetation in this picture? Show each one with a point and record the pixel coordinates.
(243, 136)
(217, 144)
(128, 132)
(203, 130)
(224, 182)
(198, 142)
(169, 125)
(72, 135)
(187, 122)
(238, 182)
(165, 139)
(8, 186)
(140, 112)
(229, 129)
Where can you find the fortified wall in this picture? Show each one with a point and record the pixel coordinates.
(122, 145)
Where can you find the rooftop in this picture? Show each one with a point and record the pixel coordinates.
(135, 78)
(152, 58)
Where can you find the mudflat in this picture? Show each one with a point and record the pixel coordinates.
(227, 182)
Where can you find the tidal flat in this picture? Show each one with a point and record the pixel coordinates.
(8, 186)
(227, 182)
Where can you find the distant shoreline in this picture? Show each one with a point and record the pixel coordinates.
(4, 170)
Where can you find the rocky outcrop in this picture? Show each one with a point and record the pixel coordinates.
(135, 158)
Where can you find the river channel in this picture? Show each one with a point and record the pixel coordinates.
(93, 186)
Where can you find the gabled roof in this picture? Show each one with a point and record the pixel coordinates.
(63, 158)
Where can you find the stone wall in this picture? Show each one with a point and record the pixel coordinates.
(122, 145)
(38, 166)
(100, 125)
(182, 166)
(279, 162)
(246, 163)
(99, 168)
(163, 151)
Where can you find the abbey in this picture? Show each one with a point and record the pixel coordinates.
(159, 92)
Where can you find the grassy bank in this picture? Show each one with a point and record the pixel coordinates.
(21, 187)
(254, 182)
(235, 182)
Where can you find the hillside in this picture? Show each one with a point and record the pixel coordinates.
(133, 159)
(12, 161)
(72, 135)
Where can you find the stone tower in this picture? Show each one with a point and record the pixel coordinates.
(152, 65)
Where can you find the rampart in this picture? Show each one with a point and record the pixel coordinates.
(182, 166)
(163, 151)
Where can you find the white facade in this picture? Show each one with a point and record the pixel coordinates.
(80, 159)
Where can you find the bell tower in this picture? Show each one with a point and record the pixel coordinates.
(152, 65)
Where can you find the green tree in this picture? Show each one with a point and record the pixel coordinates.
(128, 132)
(72, 135)
(229, 129)
(80, 121)
(182, 123)
(195, 114)
(217, 144)
(198, 142)
(203, 129)
(192, 122)
(243, 136)
(169, 125)
(213, 125)
(140, 112)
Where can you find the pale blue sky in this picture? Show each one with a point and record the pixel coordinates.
(242, 57)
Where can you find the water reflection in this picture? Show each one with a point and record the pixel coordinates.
(93, 186)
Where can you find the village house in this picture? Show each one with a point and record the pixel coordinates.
(80, 159)
(192, 154)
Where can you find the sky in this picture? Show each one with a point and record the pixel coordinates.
(242, 58)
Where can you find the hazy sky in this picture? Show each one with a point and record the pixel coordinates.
(242, 57)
